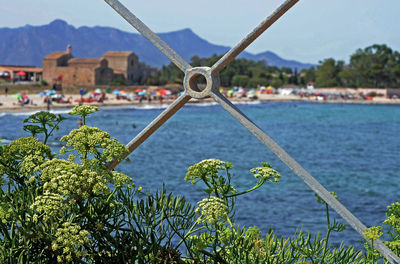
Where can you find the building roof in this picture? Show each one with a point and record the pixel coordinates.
(16, 68)
(56, 55)
(117, 54)
(85, 60)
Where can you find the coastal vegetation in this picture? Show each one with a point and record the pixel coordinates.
(376, 66)
(67, 207)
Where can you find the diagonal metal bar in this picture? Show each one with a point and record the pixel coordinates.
(257, 31)
(150, 35)
(151, 128)
(301, 173)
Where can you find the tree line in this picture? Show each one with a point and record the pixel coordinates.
(376, 66)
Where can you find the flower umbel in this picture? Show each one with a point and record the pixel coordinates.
(92, 140)
(83, 111)
(266, 173)
(373, 233)
(50, 204)
(213, 209)
(206, 169)
(69, 242)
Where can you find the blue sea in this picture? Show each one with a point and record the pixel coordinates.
(352, 149)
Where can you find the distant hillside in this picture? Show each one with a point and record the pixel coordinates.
(29, 44)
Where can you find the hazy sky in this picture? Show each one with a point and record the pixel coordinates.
(312, 30)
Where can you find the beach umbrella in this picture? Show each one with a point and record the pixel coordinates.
(138, 90)
(17, 95)
(162, 91)
(252, 91)
(142, 93)
(98, 90)
(116, 92)
(41, 94)
(230, 91)
(21, 73)
(50, 92)
(23, 95)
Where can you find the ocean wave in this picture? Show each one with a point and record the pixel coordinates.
(5, 141)
(205, 104)
(28, 113)
(136, 107)
(202, 104)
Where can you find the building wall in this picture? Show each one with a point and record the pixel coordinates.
(50, 66)
(104, 75)
(90, 72)
(75, 75)
(126, 66)
(86, 74)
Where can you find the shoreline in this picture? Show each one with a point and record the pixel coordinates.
(9, 103)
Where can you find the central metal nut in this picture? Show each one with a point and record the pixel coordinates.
(190, 81)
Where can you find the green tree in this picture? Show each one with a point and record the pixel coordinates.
(327, 73)
(240, 80)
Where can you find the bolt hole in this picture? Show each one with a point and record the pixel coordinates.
(197, 82)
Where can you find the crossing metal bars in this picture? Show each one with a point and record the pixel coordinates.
(211, 74)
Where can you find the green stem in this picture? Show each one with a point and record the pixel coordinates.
(328, 233)
(46, 136)
(247, 191)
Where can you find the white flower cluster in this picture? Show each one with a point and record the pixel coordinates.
(120, 179)
(31, 152)
(213, 209)
(393, 220)
(83, 110)
(266, 173)
(69, 241)
(68, 178)
(50, 204)
(90, 140)
(206, 168)
(6, 212)
(373, 233)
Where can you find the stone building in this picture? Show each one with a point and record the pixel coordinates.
(92, 71)
(125, 65)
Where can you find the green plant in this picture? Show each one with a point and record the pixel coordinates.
(68, 207)
(375, 232)
(393, 222)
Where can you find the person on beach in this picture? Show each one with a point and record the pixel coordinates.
(48, 100)
(80, 123)
(6, 90)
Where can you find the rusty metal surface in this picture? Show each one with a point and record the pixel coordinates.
(211, 89)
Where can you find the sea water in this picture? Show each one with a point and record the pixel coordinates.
(352, 149)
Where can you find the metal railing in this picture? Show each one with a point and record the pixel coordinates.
(211, 74)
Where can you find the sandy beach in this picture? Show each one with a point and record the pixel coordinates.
(8, 103)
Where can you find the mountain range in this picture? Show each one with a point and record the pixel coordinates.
(28, 45)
